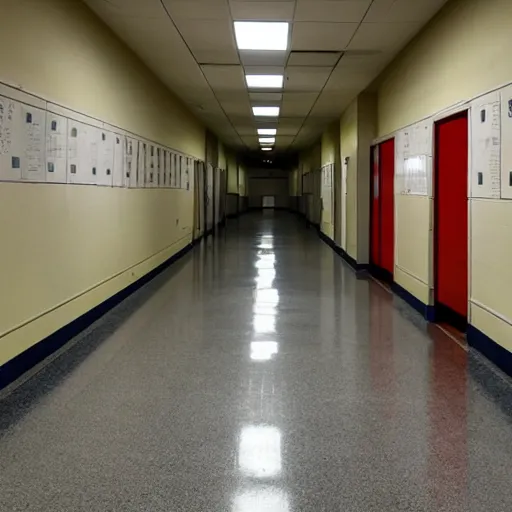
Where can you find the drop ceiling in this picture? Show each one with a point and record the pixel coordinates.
(336, 49)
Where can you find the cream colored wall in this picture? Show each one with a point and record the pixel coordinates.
(232, 169)
(243, 189)
(222, 156)
(462, 53)
(65, 248)
(349, 148)
(330, 151)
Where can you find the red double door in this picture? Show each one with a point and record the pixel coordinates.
(382, 240)
(451, 219)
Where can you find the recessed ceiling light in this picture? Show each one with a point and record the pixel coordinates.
(266, 149)
(264, 81)
(257, 35)
(267, 140)
(266, 111)
(267, 131)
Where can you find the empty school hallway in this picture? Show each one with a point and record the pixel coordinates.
(259, 373)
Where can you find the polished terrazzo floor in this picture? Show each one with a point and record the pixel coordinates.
(259, 374)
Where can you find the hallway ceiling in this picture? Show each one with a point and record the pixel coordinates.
(336, 49)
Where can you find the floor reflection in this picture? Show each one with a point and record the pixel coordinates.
(259, 452)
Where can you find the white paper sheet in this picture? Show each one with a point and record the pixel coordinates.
(485, 146)
(10, 152)
(56, 148)
(106, 148)
(118, 175)
(33, 138)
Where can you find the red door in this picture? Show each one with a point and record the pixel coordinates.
(387, 205)
(375, 209)
(451, 215)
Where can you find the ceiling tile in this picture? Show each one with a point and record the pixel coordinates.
(289, 126)
(239, 108)
(332, 104)
(305, 58)
(392, 11)
(322, 36)
(350, 11)
(210, 41)
(224, 77)
(263, 58)
(246, 129)
(306, 79)
(298, 104)
(262, 10)
(265, 96)
(197, 9)
(356, 72)
(383, 36)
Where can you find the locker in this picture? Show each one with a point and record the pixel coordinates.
(451, 220)
(382, 239)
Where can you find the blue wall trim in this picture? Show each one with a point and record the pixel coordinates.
(426, 311)
(358, 267)
(16, 367)
(500, 356)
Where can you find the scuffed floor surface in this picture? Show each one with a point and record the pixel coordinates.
(259, 374)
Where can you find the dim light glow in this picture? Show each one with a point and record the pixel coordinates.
(266, 111)
(264, 81)
(266, 149)
(257, 35)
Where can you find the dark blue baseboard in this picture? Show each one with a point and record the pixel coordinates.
(16, 367)
(381, 274)
(498, 355)
(358, 267)
(426, 311)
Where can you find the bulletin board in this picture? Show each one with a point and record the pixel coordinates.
(55, 145)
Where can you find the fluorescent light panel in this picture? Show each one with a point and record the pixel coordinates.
(266, 111)
(267, 131)
(266, 149)
(264, 81)
(267, 140)
(257, 35)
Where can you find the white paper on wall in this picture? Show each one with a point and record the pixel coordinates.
(141, 174)
(106, 148)
(413, 160)
(150, 166)
(83, 148)
(485, 146)
(118, 174)
(161, 168)
(131, 155)
(167, 178)
(506, 142)
(32, 137)
(10, 153)
(56, 148)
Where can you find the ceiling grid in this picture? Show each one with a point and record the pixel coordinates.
(335, 49)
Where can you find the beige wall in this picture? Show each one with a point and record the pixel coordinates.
(349, 149)
(66, 248)
(232, 168)
(463, 52)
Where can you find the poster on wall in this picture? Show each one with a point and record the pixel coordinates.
(485, 143)
(413, 160)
